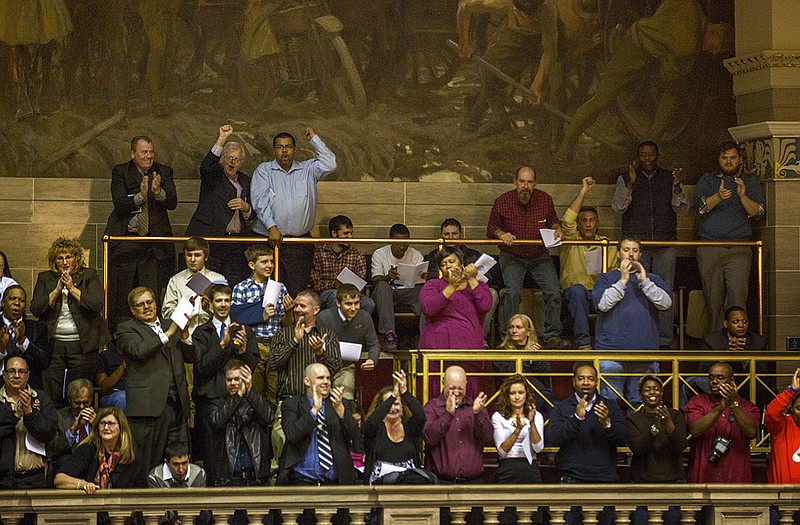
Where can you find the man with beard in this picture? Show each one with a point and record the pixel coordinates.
(721, 423)
(628, 300)
(520, 214)
(728, 201)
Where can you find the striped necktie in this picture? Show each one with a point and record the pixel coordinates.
(324, 443)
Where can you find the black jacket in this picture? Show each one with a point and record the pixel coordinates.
(212, 215)
(211, 358)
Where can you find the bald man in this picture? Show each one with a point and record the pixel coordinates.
(456, 430)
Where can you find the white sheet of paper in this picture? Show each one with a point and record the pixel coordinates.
(184, 308)
(409, 275)
(347, 276)
(34, 445)
(549, 238)
(351, 352)
(271, 293)
(484, 264)
(594, 262)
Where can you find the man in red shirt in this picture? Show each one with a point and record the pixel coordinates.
(521, 214)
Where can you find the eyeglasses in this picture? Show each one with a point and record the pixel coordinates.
(107, 424)
(149, 302)
(13, 372)
(234, 160)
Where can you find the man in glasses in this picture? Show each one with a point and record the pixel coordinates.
(721, 423)
(223, 207)
(157, 395)
(26, 416)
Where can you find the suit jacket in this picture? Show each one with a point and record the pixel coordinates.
(152, 365)
(87, 313)
(125, 180)
(37, 355)
(212, 214)
(211, 358)
(718, 340)
(298, 424)
(60, 445)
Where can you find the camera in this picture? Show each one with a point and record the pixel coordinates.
(721, 447)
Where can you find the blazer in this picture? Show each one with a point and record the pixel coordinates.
(298, 425)
(60, 445)
(718, 340)
(212, 214)
(38, 354)
(83, 464)
(87, 313)
(151, 367)
(125, 180)
(211, 358)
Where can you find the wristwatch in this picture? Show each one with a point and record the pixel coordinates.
(654, 429)
(734, 404)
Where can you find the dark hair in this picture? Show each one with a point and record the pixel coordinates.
(450, 222)
(339, 221)
(233, 364)
(583, 364)
(135, 140)
(721, 363)
(647, 143)
(11, 356)
(645, 379)
(6, 267)
(733, 309)
(283, 135)
(728, 145)
(254, 251)
(629, 238)
(503, 403)
(176, 449)
(446, 252)
(529, 7)
(346, 290)
(398, 229)
(216, 289)
(196, 243)
(591, 209)
(13, 287)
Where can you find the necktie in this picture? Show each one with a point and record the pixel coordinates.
(222, 331)
(82, 433)
(324, 443)
(143, 222)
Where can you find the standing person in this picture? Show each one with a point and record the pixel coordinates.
(157, 395)
(587, 428)
(658, 438)
(284, 194)
(783, 422)
(629, 299)
(648, 199)
(22, 336)
(69, 298)
(142, 191)
(721, 423)
(25, 414)
(729, 201)
(581, 265)
(520, 214)
(223, 206)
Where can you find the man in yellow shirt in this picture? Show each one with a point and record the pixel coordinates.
(582, 264)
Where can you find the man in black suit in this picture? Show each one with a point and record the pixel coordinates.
(142, 191)
(216, 342)
(74, 421)
(156, 391)
(307, 418)
(22, 336)
(223, 207)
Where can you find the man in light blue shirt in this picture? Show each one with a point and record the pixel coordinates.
(284, 196)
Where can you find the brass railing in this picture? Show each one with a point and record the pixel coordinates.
(403, 505)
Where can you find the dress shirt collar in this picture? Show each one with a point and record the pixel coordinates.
(218, 324)
(167, 474)
(591, 401)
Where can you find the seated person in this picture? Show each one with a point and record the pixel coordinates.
(22, 336)
(112, 373)
(393, 443)
(331, 259)
(351, 324)
(451, 232)
(518, 432)
(581, 265)
(176, 471)
(74, 421)
(105, 460)
(386, 292)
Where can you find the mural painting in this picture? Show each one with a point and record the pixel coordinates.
(376, 78)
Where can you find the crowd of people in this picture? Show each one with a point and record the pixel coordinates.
(257, 378)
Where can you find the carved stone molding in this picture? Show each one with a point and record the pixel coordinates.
(762, 60)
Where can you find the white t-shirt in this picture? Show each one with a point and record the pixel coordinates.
(383, 260)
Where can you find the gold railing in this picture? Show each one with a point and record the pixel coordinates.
(605, 244)
(401, 505)
(672, 363)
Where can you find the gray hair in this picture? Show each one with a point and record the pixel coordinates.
(234, 146)
(75, 386)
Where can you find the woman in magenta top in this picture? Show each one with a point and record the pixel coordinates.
(454, 306)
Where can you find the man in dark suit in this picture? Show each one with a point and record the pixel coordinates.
(142, 191)
(307, 419)
(223, 207)
(22, 336)
(216, 342)
(156, 391)
(74, 421)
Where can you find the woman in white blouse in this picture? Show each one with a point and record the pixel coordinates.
(518, 432)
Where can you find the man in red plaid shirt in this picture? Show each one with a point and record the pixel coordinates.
(520, 214)
(331, 259)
